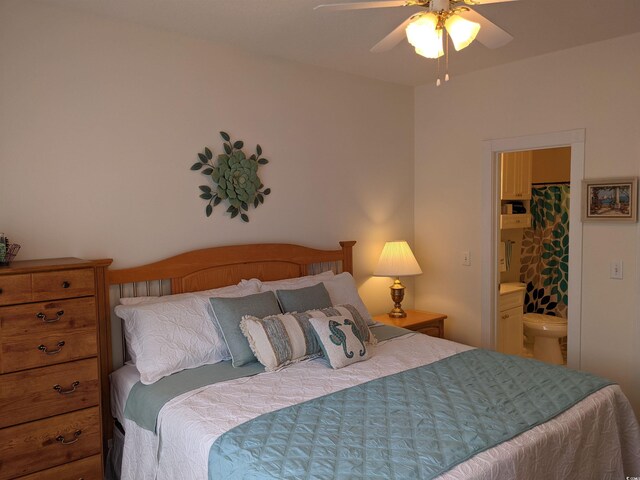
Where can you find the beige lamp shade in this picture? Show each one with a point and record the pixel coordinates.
(397, 260)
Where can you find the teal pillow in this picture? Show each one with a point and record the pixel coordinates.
(315, 297)
(229, 312)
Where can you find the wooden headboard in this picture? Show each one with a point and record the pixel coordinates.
(217, 267)
(221, 266)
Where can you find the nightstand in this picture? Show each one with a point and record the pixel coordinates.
(429, 323)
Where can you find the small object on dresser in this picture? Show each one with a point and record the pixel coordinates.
(8, 252)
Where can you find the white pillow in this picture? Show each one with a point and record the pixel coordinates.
(247, 287)
(175, 332)
(290, 283)
(167, 337)
(343, 291)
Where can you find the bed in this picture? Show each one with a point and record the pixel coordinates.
(412, 409)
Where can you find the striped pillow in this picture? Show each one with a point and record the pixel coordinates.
(280, 340)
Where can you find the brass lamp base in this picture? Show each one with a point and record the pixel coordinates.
(397, 295)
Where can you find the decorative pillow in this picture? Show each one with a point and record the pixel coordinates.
(303, 299)
(280, 340)
(289, 283)
(228, 312)
(340, 340)
(343, 291)
(247, 288)
(170, 336)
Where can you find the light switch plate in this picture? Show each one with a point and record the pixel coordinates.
(615, 269)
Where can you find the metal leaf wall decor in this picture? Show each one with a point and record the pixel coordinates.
(234, 176)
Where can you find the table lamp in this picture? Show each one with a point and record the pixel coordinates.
(397, 260)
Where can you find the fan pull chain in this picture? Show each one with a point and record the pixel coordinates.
(446, 58)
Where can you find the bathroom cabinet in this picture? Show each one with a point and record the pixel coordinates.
(515, 175)
(509, 322)
(515, 220)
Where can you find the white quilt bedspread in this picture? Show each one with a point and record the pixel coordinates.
(597, 438)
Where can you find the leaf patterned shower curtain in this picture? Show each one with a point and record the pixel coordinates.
(545, 252)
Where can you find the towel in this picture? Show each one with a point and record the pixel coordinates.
(502, 263)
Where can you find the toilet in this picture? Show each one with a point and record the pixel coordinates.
(545, 330)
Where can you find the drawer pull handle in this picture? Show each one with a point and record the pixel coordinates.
(43, 317)
(76, 437)
(66, 284)
(0, 291)
(43, 349)
(59, 389)
(505, 316)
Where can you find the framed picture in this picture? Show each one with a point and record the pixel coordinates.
(610, 199)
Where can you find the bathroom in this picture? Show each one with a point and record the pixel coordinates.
(533, 254)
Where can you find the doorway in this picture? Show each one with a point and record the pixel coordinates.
(492, 209)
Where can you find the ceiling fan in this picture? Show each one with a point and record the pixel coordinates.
(425, 29)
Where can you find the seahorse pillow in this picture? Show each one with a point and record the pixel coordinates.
(280, 340)
(340, 340)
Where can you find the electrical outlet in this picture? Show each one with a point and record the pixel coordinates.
(615, 269)
(466, 258)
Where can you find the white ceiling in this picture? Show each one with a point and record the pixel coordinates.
(292, 30)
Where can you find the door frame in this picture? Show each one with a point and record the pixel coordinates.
(491, 230)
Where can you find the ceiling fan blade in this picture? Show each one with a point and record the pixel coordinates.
(485, 2)
(490, 35)
(394, 38)
(361, 5)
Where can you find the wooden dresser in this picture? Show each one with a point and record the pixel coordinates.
(52, 324)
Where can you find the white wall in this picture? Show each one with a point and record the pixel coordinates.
(593, 87)
(100, 121)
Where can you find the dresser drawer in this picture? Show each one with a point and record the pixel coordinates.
(21, 353)
(63, 284)
(43, 392)
(432, 331)
(15, 289)
(85, 469)
(39, 445)
(35, 319)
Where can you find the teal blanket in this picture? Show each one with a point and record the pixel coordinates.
(416, 424)
(145, 401)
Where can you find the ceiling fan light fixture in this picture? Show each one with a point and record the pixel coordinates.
(430, 53)
(461, 31)
(425, 37)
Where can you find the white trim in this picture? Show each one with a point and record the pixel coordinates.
(490, 215)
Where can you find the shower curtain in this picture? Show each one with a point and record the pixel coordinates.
(545, 252)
